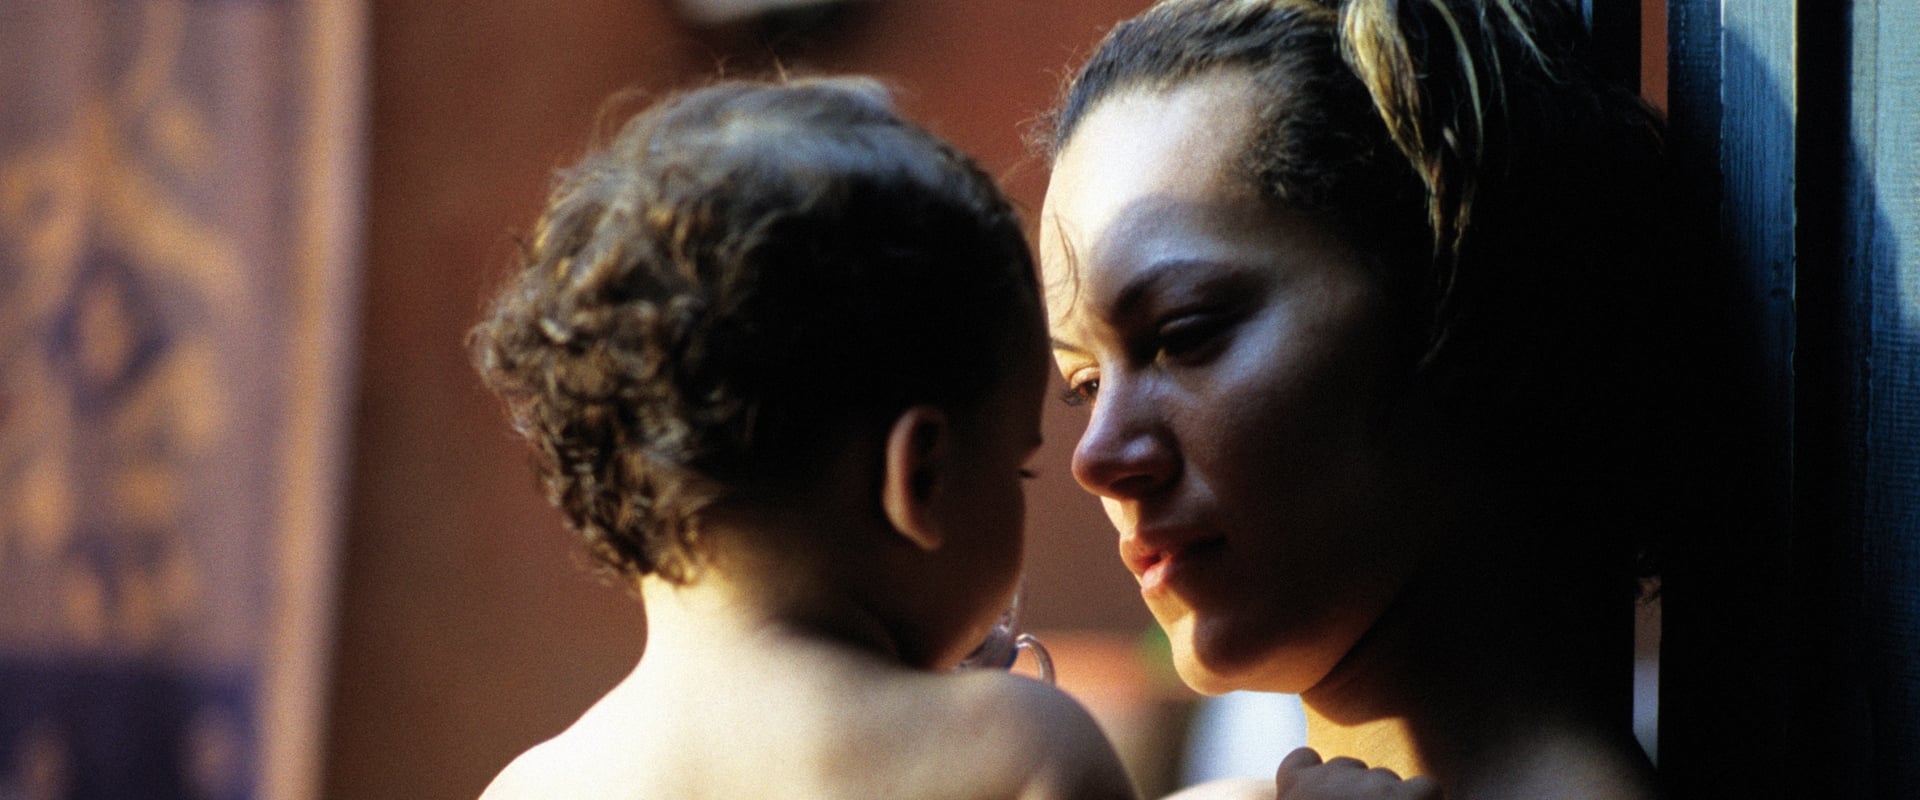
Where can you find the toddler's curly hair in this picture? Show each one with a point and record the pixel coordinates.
(746, 274)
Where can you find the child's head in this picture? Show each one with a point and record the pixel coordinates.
(746, 277)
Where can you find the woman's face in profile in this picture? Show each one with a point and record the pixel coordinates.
(1232, 354)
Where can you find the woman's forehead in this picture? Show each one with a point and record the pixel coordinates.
(1151, 176)
(1190, 132)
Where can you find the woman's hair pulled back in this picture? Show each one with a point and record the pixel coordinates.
(745, 273)
(1513, 200)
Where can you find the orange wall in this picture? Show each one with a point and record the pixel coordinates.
(466, 631)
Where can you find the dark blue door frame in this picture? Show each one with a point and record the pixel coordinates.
(1791, 660)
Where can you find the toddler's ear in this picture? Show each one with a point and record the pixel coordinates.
(917, 448)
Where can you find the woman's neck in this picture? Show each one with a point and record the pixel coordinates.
(1492, 686)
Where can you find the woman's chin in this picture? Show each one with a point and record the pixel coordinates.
(1199, 677)
(1199, 666)
(1224, 663)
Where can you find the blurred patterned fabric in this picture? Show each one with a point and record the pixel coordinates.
(179, 193)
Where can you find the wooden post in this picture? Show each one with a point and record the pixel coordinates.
(1869, 265)
(1727, 677)
(1791, 663)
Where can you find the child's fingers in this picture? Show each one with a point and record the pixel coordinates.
(1301, 757)
(1303, 776)
(1287, 776)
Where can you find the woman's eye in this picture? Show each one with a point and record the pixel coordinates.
(1081, 393)
(1189, 337)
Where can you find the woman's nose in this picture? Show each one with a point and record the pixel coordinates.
(1126, 451)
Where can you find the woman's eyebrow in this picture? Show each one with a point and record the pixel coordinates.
(1216, 277)
(1212, 276)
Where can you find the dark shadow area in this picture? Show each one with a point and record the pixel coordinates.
(1793, 624)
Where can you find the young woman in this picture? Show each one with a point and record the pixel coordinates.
(1368, 303)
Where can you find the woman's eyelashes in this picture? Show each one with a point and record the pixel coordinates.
(1186, 339)
(1080, 390)
(1190, 338)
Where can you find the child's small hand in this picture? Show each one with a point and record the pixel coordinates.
(1302, 776)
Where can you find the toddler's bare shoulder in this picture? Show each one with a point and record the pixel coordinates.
(1047, 736)
(1226, 789)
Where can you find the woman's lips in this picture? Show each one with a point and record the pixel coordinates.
(1155, 575)
(1157, 565)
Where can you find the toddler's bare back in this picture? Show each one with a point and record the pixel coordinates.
(820, 722)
